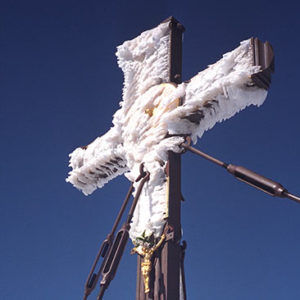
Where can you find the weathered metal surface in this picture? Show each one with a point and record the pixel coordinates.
(258, 181)
(170, 254)
(263, 56)
(165, 277)
(93, 276)
(187, 146)
(116, 252)
(175, 63)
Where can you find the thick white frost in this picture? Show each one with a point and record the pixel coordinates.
(149, 111)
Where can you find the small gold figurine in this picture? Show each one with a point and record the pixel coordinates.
(146, 265)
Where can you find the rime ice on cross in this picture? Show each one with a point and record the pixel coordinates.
(150, 120)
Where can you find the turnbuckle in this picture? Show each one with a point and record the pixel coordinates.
(258, 181)
(112, 248)
(93, 276)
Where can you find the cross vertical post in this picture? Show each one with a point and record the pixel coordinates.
(166, 270)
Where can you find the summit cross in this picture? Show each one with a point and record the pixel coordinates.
(156, 113)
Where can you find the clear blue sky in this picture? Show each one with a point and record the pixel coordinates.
(60, 85)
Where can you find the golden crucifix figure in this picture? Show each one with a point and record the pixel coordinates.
(146, 265)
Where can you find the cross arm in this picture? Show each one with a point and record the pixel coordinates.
(239, 79)
(145, 63)
(96, 164)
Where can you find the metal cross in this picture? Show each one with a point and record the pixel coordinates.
(157, 112)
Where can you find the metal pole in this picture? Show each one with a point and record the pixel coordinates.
(258, 181)
(165, 279)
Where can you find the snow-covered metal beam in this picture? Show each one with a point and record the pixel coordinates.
(150, 121)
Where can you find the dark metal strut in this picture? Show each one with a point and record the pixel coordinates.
(116, 252)
(258, 181)
(112, 249)
(103, 251)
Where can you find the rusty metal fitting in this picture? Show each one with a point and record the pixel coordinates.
(169, 233)
(142, 173)
(186, 144)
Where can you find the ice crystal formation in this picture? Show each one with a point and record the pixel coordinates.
(149, 118)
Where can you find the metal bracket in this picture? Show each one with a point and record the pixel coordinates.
(170, 236)
(263, 56)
